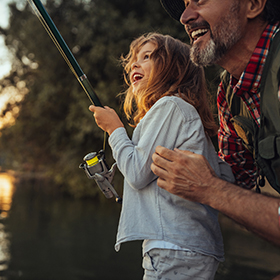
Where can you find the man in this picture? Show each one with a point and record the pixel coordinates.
(236, 35)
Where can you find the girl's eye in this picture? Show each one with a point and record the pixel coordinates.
(146, 56)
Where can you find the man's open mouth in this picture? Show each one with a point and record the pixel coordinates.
(196, 34)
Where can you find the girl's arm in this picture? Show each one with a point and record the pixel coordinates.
(165, 124)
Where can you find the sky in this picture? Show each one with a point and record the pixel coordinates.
(7, 94)
(5, 66)
(4, 54)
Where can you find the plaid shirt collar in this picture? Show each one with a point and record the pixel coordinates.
(248, 85)
(250, 79)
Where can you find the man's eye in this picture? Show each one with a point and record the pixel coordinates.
(199, 2)
(187, 3)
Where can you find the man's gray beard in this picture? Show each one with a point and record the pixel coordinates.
(226, 35)
(205, 57)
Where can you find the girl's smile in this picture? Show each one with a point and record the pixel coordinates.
(141, 68)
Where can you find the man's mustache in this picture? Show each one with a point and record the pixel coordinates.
(194, 25)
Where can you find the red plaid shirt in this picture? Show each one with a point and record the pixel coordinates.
(248, 89)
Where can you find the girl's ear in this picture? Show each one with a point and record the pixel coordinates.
(255, 8)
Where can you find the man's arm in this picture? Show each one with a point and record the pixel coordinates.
(190, 176)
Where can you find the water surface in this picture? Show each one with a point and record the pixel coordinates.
(45, 236)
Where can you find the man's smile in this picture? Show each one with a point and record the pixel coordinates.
(197, 30)
(196, 34)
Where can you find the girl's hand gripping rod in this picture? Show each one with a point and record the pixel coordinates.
(97, 169)
(53, 32)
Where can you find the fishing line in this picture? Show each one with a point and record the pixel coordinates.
(67, 55)
(95, 165)
(62, 47)
(48, 30)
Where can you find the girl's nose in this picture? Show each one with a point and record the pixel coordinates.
(135, 65)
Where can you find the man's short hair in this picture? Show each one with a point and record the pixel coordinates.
(271, 12)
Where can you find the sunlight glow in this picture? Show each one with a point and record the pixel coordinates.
(6, 193)
(11, 95)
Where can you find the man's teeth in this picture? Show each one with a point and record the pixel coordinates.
(198, 32)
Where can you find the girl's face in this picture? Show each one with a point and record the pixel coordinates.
(141, 68)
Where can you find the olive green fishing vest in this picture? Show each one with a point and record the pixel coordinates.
(264, 141)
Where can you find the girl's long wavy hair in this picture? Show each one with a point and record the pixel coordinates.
(172, 73)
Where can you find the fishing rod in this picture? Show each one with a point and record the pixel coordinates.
(56, 37)
(94, 164)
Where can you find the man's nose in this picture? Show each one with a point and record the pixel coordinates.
(190, 14)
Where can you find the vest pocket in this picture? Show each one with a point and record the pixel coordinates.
(267, 147)
(269, 160)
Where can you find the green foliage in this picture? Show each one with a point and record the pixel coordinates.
(54, 128)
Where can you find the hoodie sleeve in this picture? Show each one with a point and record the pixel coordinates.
(168, 124)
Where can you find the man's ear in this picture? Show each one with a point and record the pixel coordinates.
(255, 8)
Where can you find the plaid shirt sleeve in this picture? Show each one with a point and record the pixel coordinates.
(231, 148)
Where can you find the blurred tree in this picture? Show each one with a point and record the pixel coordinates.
(53, 128)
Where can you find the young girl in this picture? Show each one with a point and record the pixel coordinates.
(166, 102)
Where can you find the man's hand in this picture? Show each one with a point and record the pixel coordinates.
(183, 173)
(190, 176)
(106, 118)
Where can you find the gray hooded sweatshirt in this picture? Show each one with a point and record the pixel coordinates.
(149, 212)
